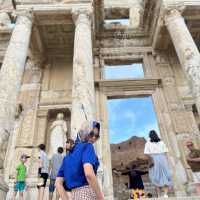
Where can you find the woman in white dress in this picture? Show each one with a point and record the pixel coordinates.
(159, 172)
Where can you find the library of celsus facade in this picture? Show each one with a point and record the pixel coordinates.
(53, 54)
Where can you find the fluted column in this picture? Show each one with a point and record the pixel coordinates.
(11, 75)
(83, 93)
(186, 49)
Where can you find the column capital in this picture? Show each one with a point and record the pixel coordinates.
(172, 14)
(82, 16)
(25, 13)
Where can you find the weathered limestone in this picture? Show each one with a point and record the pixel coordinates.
(83, 95)
(3, 188)
(48, 88)
(135, 14)
(10, 77)
(4, 20)
(186, 49)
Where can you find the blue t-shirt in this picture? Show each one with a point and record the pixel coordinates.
(72, 166)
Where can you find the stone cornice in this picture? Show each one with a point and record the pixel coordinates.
(130, 87)
(52, 8)
(122, 32)
(26, 13)
(121, 51)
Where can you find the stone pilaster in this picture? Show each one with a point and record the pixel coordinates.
(83, 94)
(186, 49)
(135, 14)
(10, 77)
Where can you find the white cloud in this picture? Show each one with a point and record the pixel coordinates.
(144, 132)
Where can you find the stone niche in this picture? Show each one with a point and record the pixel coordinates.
(51, 117)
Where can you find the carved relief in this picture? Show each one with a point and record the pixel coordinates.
(5, 21)
(57, 82)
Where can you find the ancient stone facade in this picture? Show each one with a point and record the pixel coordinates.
(53, 54)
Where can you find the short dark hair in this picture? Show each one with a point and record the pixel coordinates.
(60, 150)
(154, 136)
(42, 147)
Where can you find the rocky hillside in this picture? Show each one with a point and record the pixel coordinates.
(124, 155)
(127, 152)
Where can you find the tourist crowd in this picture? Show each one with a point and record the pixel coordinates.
(73, 175)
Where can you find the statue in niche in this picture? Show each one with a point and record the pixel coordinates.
(58, 133)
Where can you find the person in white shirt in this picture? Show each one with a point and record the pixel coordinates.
(159, 173)
(42, 171)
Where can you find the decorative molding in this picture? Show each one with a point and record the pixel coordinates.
(82, 16)
(130, 87)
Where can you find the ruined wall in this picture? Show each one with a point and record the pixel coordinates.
(41, 86)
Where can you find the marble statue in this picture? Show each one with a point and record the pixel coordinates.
(58, 131)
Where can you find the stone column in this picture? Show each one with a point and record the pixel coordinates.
(135, 14)
(83, 93)
(10, 77)
(186, 49)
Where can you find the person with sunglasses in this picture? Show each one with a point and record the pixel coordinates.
(79, 167)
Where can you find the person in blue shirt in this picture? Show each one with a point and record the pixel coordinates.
(79, 167)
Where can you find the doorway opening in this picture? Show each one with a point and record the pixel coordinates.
(130, 120)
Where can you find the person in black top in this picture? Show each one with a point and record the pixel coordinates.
(135, 182)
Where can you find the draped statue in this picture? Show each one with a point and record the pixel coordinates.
(58, 133)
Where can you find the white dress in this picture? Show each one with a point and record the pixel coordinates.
(160, 174)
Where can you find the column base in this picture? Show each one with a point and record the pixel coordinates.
(3, 188)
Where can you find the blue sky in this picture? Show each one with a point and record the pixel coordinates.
(124, 71)
(132, 116)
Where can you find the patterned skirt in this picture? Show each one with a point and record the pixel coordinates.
(83, 193)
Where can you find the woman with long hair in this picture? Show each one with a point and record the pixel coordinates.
(79, 167)
(159, 171)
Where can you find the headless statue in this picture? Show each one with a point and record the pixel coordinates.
(58, 131)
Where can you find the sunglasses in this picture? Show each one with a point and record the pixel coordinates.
(92, 134)
(96, 136)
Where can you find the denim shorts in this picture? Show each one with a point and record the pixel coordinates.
(52, 185)
(19, 186)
